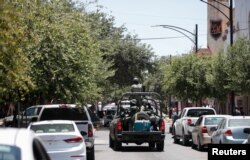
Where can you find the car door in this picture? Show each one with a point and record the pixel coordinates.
(178, 123)
(196, 130)
(217, 134)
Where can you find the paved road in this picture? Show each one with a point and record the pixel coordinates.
(133, 152)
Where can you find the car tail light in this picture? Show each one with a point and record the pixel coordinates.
(228, 133)
(119, 126)
(204, 129)
(189, 122)
(90, 130)
(74, 140)
(162, 126)
(77, 156)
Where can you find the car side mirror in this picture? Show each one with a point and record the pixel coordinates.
(34, 119)
(246, 130)
(212, 129)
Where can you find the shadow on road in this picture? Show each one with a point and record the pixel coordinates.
(137, 149)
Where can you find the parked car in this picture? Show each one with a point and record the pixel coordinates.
(61, 138)
(75, 112)
(24, 117)
(130, 125)
(21, 144)
(230, 130)
(184, 124)
(108, 117)
(247, 131)
(201, 133)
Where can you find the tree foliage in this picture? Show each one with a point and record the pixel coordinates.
(55, 49)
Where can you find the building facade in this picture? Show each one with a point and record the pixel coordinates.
(219, 36)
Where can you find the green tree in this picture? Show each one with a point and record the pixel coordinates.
(238, 66)
(15, 81)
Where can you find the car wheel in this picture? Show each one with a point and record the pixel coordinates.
(193, 145)
(111, 142)
(117, 145)
(176, 140)
(160, 146)
(199, 146)
(185, 140)
(91, 154)
(151, 145)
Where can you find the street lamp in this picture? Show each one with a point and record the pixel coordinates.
(230, 18)
(180, 30)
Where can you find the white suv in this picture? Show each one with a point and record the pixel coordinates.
(77, 113)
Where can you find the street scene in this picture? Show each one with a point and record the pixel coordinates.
(124, 79)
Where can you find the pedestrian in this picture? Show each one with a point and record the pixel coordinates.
(237, 112)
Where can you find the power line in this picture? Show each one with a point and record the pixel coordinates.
(176, 37)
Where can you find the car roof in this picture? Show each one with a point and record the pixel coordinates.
(239, 117)
(58, 105)
(216, 115)
(9, 136)
(198, 108)
(53, 122)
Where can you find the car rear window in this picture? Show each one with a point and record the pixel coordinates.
(52, 128)
(199, 112)
(10, 152)
(64, 114)
(212, 120)
(238, 122)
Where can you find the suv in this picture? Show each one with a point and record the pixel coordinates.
(130, 125)
(183, 126)
(77, 113)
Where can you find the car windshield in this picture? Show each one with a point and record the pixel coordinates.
(238, 122)
(64, 114)
(212, 120)
(199, 112)
(55, 128)
(9, 152)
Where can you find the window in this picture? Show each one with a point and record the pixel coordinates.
(64, 114)
(199, 112)
(212, 120)
(30, 111)
(48, 128)
(239, 122)
(10, 152)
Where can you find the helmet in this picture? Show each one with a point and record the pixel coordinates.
(135, 80)
(144, 101)
(133, 101)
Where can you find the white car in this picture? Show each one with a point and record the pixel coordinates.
(21, 144)
(61, 138)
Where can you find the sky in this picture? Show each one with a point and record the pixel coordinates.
(139, 17)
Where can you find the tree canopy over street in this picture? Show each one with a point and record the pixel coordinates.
(56, 50)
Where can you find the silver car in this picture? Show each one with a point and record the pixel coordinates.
(230, 130)
(201, 133)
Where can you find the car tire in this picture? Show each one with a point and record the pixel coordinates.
(176, 140)
(151, 145)
(117, 145)
(185, 140)
(160, 146)
(111, 142)
(199, 146)
(193, 145)
(91, 154)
